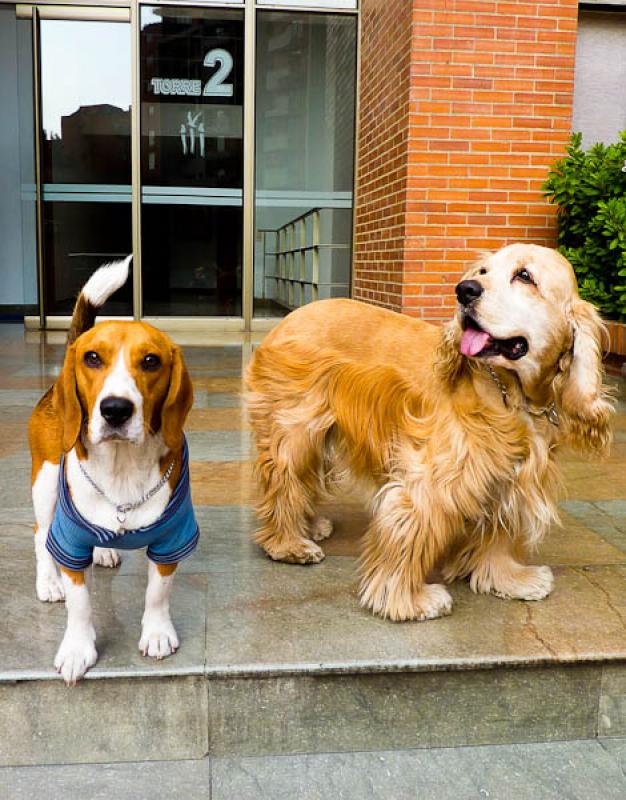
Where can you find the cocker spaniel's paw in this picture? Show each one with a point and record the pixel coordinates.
(517, 582)
(394, 601)
(302, 551)
(106, 557)
(321, 528)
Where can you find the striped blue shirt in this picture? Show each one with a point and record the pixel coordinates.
(171, 538)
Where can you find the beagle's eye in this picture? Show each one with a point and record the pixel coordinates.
(150, 363)
(524, 276)
(482, 271)
(92, 359)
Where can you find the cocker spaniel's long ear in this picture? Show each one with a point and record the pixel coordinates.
(585, 404)
(448, 359)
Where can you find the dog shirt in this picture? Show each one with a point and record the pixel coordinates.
(172, 537)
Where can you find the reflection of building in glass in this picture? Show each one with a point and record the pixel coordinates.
(94, 147)
(191, 139)
(304, 159)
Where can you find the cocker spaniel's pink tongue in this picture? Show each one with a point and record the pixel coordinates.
(473, 341)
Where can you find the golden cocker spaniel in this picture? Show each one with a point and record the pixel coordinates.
(451, 431)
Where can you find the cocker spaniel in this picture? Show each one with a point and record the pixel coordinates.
(451, 431)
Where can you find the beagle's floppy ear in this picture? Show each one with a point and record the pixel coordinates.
(177, 403)
(70, 407)
(585, 403)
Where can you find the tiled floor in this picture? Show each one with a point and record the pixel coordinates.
(235, 609)
(582, 770)
(238, 614)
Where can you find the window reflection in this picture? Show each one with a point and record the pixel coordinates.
(305, 94)
(85, 91)
(78, 238)
(86, 156)
(192, 160)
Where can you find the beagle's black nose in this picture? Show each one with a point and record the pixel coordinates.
(468, 291)
(116, 410)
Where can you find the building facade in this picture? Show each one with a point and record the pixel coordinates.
(255, 155)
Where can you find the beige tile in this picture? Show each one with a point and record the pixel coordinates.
(575, 544)
(218, 483)
(217, 419)
(13, 437)
(212, 384)
(41, 382)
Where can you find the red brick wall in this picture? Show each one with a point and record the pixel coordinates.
(489, 109)
(382, 203)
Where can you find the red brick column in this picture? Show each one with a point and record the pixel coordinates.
(463, 107)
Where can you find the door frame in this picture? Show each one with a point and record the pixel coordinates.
(129, 11)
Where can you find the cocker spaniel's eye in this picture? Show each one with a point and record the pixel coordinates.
(150, 363)
(92, 359)
(482, 271)
(524, 276)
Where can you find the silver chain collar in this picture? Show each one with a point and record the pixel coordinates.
(550, 411)
(122, 509)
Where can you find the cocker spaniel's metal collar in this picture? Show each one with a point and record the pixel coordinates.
(550, 411)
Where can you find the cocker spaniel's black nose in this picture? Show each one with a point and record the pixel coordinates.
(468, 291)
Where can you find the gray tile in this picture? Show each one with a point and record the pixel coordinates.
(615, 508)
(267, 617)
(204, 399)
(175, 780)
(551, 771)
(617, 749)
(125, 719)
(606, 517)
(220, 445)
(17, 413)
(31, 631)
(20, 397)
(15, 485)
(224, 541)
(48, 371)
(397, 711)
(612, 716)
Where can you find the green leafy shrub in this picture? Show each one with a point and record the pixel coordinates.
(589, 188)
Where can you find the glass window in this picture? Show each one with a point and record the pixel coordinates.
(305, 107)
(600, 78)
(191, 160)
(86, 161)
(78, 237)
(85, 91)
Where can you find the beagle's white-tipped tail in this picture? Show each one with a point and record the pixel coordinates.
(106, 280)
(103, 283)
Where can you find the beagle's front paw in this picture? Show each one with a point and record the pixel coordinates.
(158, 637)
(75, 655)
(49, 586)
(106, 557)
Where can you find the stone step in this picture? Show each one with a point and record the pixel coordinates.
(280, 659)
(577, 770)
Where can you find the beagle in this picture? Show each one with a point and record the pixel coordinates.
(110, 470)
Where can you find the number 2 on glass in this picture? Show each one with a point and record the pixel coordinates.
(215, 86)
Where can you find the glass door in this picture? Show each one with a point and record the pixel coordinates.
(85, 155)
(191, 71)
